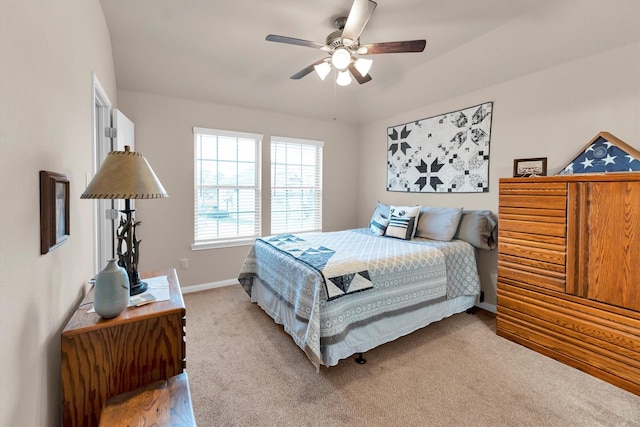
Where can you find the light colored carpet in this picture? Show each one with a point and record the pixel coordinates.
(244, 370)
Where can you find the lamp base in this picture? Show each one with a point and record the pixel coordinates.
(128, 250)
(138, 288)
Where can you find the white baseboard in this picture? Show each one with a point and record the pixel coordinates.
(205, 286)
(489, 307)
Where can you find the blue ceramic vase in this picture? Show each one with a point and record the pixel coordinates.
(111, 293)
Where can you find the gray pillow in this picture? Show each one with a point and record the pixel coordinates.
(438, 223)
(480, 228)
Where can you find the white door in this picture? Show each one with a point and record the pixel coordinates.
(108, 218)
(124, 131)
(124, 135)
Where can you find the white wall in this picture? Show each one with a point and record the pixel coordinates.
(551, 113)
(164, 134)
(48, 51)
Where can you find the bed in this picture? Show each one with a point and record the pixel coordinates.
(345, 292)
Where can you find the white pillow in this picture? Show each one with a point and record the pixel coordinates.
(438, 223)
(402, 221)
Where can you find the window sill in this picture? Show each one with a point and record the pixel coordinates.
(222, 244)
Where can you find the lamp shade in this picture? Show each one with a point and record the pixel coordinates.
(125, 175)
(363, 66)
(344, 78)
(322, 69)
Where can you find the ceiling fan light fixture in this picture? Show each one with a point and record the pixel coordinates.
(344, 78)
(344, 48)
(322, 69)
(363, 66)
(341, 58)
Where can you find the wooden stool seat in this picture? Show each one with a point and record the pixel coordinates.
(163, 403)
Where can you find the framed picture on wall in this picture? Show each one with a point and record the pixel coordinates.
(448, 153)
(54, 210)
(530, 167)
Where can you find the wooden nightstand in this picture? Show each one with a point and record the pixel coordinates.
(102, 358)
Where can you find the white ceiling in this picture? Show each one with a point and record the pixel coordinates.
(214, 50)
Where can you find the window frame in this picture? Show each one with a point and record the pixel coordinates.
(204, 244)
(319, 145)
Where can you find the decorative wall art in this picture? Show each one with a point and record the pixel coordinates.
(54, 210)
(604, 153)
(530, 167)
(442, 154)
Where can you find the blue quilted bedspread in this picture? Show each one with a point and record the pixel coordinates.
(337, 279)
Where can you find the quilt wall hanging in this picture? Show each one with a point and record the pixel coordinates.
(442, 154)
(604, 153)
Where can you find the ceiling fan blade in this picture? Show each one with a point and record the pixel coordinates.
(392, 47)
(298, 42)
(300, 74)
(356, 74)
(359, 15)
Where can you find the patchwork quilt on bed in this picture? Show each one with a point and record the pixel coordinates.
(393, 275)
(342, 271)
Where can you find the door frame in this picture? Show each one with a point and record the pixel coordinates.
(102, 247)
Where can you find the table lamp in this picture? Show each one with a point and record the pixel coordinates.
(126, 175)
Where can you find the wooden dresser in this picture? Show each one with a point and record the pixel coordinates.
(102, 358)
(569, 271)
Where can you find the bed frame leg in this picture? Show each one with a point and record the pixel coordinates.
(360, 360)
(471, 310)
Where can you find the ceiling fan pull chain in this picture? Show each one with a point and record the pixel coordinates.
(335, 101)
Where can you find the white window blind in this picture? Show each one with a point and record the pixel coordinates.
(296, 185)
(227, 188)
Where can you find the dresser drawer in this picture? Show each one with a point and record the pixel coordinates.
(532, 227)
(536, 202)
(573, 332)
(536, 256)
(531, 275)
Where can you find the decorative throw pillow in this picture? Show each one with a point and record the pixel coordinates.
(438, 223)
(402, 222)
(378, 224)
(382, 210)
(480, 228)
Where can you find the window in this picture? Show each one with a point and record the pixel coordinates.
(296, 185)
(227, 188)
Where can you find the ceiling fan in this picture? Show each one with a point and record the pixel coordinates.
(344, 48)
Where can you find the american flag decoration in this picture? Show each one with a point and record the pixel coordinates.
(604, 153)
